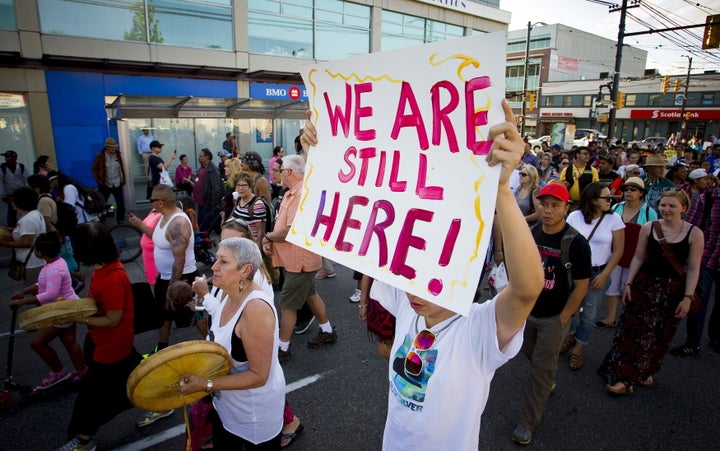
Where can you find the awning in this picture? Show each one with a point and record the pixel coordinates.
(128, 107)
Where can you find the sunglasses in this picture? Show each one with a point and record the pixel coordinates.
(237, 221)
(630, 188)
(413, 362)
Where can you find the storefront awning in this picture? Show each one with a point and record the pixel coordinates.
(128, 107)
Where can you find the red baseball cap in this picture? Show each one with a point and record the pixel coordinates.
(556, 190)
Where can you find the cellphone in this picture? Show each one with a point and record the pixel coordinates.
(175, 151)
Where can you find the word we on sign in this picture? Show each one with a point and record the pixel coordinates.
(398, 187)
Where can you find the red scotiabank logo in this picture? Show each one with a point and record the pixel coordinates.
(294, 93)
(674, 115)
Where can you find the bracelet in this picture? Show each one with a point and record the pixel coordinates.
(689, 296)
(362, 306)
(266, 237)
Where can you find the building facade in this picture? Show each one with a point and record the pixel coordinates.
(561, 53)
(74, 72)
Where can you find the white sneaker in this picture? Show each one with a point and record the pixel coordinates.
(356, 296)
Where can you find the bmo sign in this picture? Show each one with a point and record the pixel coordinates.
(269, 91)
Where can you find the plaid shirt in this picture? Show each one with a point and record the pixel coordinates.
(291, 257)
(711, 253)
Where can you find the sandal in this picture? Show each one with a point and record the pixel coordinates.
(568, 344)
(576, 362)
(291, 436)
(685, 351)
(620, 389)
(649, 382)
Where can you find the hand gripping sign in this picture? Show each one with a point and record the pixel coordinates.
(398, 187)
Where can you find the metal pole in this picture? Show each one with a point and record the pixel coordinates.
(616, 75)
(525, 79)
(683, 125)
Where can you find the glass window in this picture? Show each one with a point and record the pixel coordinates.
(549, 100)
(285, 29)
(189, 23)
(7, 15)
(401, 30)
(342, 30)
(567, 100)
(630, 99)
(15, 127)
(587, 100)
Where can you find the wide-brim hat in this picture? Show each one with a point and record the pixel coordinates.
(655, 160)
(110, 142)
(636, 182)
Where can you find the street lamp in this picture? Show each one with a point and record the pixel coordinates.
(683, 124)
(525, 74)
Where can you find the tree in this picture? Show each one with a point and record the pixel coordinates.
(138, 32)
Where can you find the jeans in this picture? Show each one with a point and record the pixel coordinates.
(696, 321)
(583, 323)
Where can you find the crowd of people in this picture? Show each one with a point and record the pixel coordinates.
(609, 224)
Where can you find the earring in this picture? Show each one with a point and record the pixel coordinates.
(242, 285)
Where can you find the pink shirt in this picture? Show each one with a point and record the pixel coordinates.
(54, 282)
(182, 173)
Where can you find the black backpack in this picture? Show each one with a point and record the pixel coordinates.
(4, 168)
(93, 200)
(269, 212)
(67, 219)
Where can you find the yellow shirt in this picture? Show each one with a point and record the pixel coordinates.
(575, 188)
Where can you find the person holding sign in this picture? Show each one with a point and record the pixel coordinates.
(442, 363)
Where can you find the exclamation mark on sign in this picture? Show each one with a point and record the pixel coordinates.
(435, 286)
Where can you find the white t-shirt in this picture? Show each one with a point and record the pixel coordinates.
(601, 242)
(441, 408)
(32, 223)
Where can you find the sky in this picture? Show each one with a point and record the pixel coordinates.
(663, 54)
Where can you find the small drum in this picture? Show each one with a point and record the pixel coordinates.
(153, 385)
(57, 313)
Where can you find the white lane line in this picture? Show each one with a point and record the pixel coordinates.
(180, 428)
(17, 332)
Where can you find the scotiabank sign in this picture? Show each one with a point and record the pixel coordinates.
(674, 115)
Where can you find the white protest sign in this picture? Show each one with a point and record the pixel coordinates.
(398, 187)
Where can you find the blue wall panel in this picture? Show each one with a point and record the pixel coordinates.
(77, 109)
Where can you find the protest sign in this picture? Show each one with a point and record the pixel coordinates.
(398, 187)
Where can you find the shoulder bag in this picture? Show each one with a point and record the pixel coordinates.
(17, 268)
(696, 300)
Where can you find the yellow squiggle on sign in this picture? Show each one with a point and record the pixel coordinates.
(466, 61)
(357, 77)
(316, 113)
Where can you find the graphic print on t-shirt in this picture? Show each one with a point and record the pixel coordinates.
(550, 261)
(407, 388)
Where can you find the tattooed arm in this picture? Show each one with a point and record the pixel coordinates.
(179, 236)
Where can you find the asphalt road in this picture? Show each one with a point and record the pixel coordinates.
(339, 392)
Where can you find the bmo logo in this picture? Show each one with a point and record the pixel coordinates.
(267, 91)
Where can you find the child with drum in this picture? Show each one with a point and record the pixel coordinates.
(54, 285)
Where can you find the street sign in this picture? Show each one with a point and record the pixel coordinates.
(679, 99)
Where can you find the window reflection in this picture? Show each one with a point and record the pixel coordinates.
(189, 23)
(15, 128)
(402, 30)
(7, 15)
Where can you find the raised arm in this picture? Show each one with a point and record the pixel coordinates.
(522, 259)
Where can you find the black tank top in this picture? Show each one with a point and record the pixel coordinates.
(656, 262)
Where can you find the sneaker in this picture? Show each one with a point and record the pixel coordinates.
(356, 296)
(685, 351)
(77, 445)
(522, 435)
(304, 319)
(53, 379)
(324, 275)
(152, 416)
(284, 356)
(79, 375)
(323, 338)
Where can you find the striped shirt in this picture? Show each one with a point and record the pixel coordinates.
(711, 226)
(259, 213)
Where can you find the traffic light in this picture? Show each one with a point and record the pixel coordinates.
(687, 116)
(676, 88)
(620, 100)
(531, 101)
(711, 36)
(664, 85)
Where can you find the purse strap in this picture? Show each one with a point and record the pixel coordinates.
(666, 248)
(27, 259)
(595, 228)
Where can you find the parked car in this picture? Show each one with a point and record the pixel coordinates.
(537, 143)
(581, 133)
(649, 142)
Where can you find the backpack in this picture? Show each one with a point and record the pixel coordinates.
(67, 219)
(269, 212)
(565, 243)
(93, 199)
(3, 166)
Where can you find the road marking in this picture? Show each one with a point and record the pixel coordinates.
(17, 332)
(180, 428)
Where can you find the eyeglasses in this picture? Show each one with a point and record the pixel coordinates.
(242, 185)
(413, 362)
(523, 174)
(285, 169)
(237, 221)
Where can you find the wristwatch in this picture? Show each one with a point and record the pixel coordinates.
(267, 238)
(209, 386)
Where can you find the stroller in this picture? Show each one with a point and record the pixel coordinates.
(203, 248)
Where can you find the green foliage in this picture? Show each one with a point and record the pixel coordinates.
(138, 32)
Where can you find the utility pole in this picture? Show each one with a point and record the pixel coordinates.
(530, 26)
(683, 122)
(618, 64)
